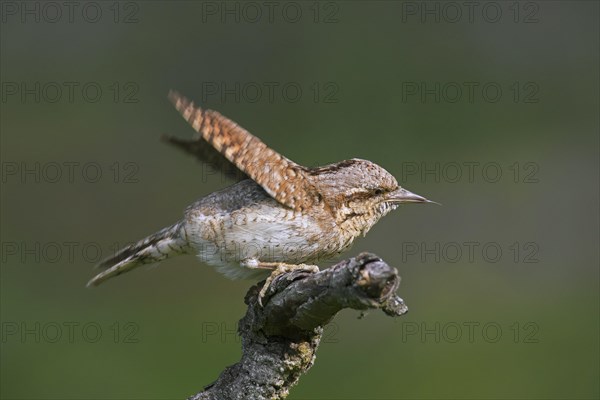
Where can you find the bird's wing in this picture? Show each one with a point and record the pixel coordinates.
(208, 155)
(283, 179)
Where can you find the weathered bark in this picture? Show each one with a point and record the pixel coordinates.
(280, 340)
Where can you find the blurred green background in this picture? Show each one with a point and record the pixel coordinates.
(522, 324)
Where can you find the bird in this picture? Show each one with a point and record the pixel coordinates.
(277, 217)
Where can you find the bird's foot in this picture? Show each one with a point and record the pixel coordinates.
(277, 270)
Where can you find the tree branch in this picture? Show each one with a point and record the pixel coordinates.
(280, 340)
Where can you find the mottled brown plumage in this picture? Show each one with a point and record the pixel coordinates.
(284, 215)
(208, 155)
(282, 178)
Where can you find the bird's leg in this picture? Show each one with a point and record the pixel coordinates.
(277, 269)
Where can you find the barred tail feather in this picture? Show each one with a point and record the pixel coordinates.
(157, 247)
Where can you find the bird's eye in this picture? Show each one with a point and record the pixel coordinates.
(378, 192)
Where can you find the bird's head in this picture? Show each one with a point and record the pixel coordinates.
(361, 192)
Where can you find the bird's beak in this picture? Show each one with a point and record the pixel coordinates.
(404, 196)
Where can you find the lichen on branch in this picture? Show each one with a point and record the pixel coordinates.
(280, 339)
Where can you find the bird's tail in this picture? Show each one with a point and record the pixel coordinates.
(157, 247)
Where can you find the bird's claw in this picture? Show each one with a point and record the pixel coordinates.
(280, 270)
